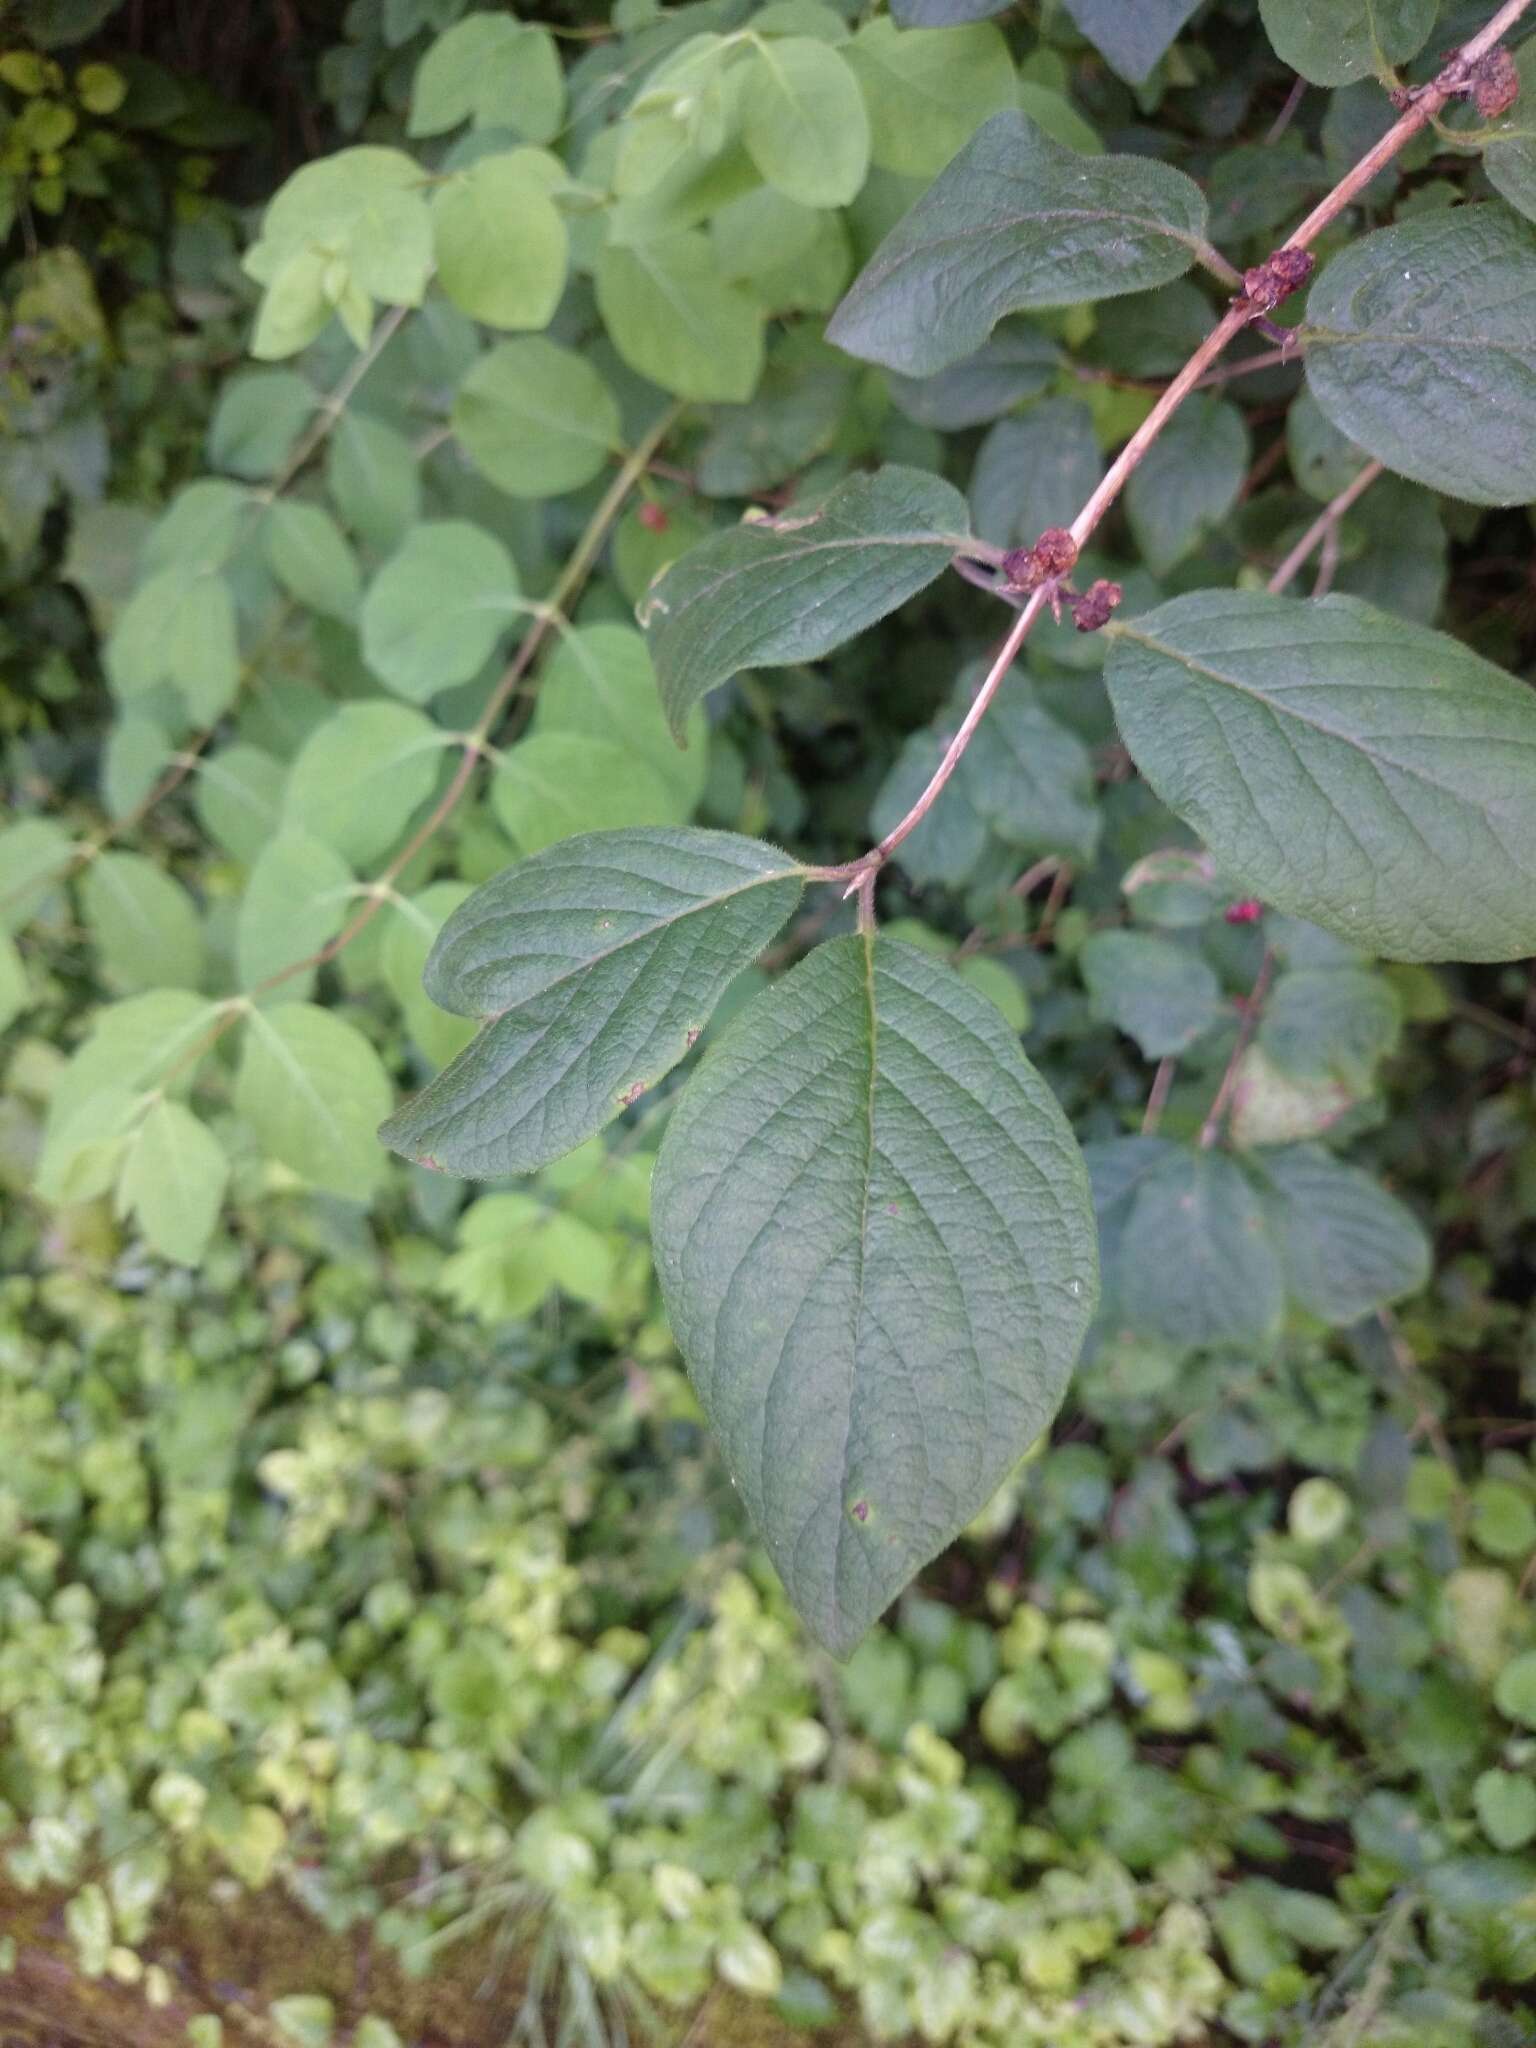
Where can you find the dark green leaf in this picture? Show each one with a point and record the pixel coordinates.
(874, 1239)
(596, 966)
(791, 589)
(1017, 220)
(1161, 994)
(1346, 1245)
(1331, 42)
(1421, 347)
(1348, 767)
(1133, 36)
(1187, 482)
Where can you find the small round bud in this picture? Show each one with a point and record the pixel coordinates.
(653, 518)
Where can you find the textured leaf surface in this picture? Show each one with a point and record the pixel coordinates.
(1017, 220)
(1132, 36)
(1332, 42)
(803, 121)
(773, 591)
(1510, 158)
(595, 965)
(1188, 481)
(1161, 994)
(875, 1243)
(1348, 767)
(1346, 1245)
(1035, 472)
(313, 1090)
(1421, 347)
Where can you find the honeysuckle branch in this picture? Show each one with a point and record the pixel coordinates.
(1325, 524)
(1264, 288)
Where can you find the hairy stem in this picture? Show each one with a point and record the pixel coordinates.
(1325, 524)
(1425, 107)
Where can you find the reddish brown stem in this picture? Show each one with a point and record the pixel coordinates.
(1253, 1009)
(1325, 524)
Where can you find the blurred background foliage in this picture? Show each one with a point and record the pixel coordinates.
(366, 1555)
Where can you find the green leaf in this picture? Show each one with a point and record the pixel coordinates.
(34, 852)
(1161, 994)
(360, 775)
(239, 799)
(672, 318)
(145, 925)
(1421, 347)
(1333, 1023)
(556, 784)
(408, 938)
(1017, 220)
(774, 591)
(259, 417)
(928, 91)
(1188, 481)
(295, 899)
(1131, 38)
(1347, 767)
(148, 1041)
(304, 2019)
(1514, 1690)
(1347, 1247)
(137, 753)
(361, 210)
(434, 613)
(15, 991)
(803, 121)
(536, 419)
(173, 1180)
(373, 477)
(875, 1245)
(1016, 364)
(313, 1090)
(1187, 1251)
(948, 844)
(495, 71)
(1035, 472)
(502, 248)
(1510, 155)
(312, 560)
(1331, 42)
(178, 628)
(1029, 776)
(596, 966)
(600, 684)
(1506, 1808)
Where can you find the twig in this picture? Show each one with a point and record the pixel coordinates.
(1287, 113)
(475, 745)
(1270, 359)
(1239, 314)
(1325, 524)
(1210, 1130)
(1157, 1101)
(1327, 564)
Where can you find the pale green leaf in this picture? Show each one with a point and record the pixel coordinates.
(295, 899)
(1345, 766)
(137, 753)
(803, 121)
(1187, 482)
(1015, 221)
(1347, 1246)
(1331, 42)
(374, 479)
(434, 613)
(494, 71)
(599, 684)
(145, 925)
(34, 852)
(792, 589)
(313, 1090)
(363, 209)
(259, 417)
(1421, 347)
(501, 243)
(553, 785)
(413, 926)
(360, 775)
(596, 966)
(671, 317)
(1161, 994)
(311, 558)
(536, 418)
(178, 628)
(239, 798)
(927, 91)
(172, 1183)
(875, 1245)
(15, 992)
